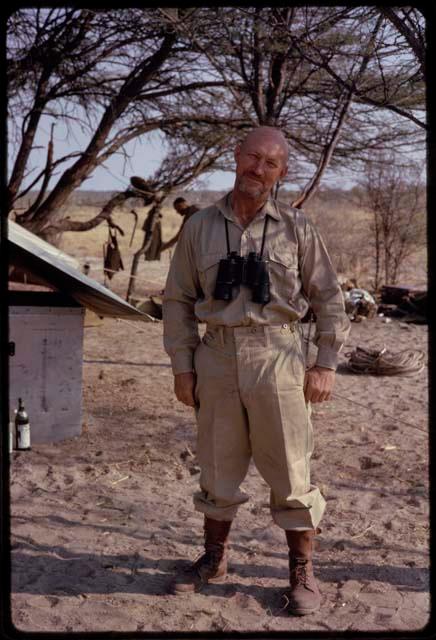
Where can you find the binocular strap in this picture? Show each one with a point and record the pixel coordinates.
(226, 222)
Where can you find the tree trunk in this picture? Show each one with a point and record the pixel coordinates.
(27, 142)
(311, 188)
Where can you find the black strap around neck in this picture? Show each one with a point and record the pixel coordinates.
(227, 235)
(265, 224)
(263, 235)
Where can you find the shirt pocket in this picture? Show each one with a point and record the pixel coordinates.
(208, 271)
(284, 274)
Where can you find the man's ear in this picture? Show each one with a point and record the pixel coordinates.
(237, 152)
(284, 171)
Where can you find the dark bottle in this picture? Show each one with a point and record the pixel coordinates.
(22, 428)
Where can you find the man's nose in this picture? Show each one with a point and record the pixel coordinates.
(258, 167)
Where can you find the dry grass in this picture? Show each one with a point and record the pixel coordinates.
(346, 230)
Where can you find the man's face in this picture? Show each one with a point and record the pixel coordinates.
(181, 207)
(260, 163)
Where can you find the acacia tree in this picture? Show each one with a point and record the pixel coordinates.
(102, 70)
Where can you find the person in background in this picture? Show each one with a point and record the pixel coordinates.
(184, 209)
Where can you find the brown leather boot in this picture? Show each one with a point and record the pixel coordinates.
(211, 567)
(303, 595)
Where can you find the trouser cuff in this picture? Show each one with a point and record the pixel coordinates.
(302, 513)
(217, 509)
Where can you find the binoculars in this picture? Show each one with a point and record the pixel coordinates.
(250, 271)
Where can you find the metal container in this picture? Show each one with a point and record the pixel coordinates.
(46, 368)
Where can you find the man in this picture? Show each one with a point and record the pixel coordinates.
(185, 210)
(246, 378)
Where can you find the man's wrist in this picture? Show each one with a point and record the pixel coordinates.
(182, 362)
(327, 358)
(324, 368)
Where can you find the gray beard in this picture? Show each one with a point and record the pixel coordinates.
(252, 192)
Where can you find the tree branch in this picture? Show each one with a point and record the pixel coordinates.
(327, 153)
(27, 215)
(74, 225)
(416, 44)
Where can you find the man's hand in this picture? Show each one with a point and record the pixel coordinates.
(184, 386)
(318, 384)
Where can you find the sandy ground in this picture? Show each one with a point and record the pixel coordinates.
(101, 522)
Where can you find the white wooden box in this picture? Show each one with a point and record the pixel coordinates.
(46, 332)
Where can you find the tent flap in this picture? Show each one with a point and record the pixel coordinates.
(56, 269)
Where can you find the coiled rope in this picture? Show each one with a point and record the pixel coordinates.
(383, 363)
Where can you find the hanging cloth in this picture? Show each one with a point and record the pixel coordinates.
(112, 256)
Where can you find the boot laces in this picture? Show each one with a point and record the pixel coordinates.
(211, 557)
(298, 571)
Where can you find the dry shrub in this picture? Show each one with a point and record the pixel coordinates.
(344, 228)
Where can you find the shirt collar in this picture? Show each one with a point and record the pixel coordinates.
(270, 208)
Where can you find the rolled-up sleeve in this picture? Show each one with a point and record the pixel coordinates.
(322, 289)
(182, 290)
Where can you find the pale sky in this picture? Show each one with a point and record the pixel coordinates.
(145, 156)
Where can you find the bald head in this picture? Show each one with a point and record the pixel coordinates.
(271, 134)
(261, 161)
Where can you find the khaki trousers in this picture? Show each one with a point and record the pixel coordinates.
(251, 404)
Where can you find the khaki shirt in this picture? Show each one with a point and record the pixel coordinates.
(300, 274)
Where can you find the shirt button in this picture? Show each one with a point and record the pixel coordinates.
(285, 326)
